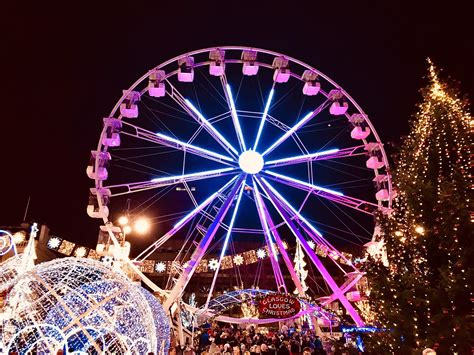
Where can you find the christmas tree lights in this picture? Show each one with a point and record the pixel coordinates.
(423, 294)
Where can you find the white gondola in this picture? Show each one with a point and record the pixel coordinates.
(129, 107)
(217, 66)
(382, 195)
(281, 75)
(93, 208)
(282, 72)
(374, 163)
(360, 133)
(186, 70)
(94, 212)
(111, 137)
(338, 108)
(311, 88)
(249, 67)
(312, 85)
(101, 173)
(104, 241)
(156, 84)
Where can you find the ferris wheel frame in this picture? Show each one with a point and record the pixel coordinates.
(264, 193)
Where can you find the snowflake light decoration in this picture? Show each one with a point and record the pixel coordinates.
(160, 267)
(213, 264)
(238, 260)
(80, 252)
(83, 306)
(54, 243)
(261, 253)
(311, 244)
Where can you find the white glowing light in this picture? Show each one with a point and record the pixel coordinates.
(303, 158)
(251, 162)
(420, 230)
(238, 260)
(261, 253)
(234, 116)
(289, 132)
(141, 225)
(123, 220)
(160, 267)
(54, 242)
(213, 264)
(19, 237)
(127, 229)
(264, 116)
(311, 244)
(187, 145)
(80, 252)
(186, 176)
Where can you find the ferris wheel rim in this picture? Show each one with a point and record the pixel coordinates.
(99, 183)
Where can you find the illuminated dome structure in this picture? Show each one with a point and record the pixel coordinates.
(81, 305)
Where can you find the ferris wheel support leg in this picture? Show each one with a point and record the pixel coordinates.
(201, 249)
(283, 252)
(313, 257)
(274, 257)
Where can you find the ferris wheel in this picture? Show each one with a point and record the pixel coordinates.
(226, 145)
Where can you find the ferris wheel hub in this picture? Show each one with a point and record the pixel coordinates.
(251, 162)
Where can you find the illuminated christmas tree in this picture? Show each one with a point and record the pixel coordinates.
(423, 295)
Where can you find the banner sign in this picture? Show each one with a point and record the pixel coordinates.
(278, 306)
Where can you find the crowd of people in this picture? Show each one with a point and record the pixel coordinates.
(288, 340)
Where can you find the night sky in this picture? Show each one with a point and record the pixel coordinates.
(64, 67)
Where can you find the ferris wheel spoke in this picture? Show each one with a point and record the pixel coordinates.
(303, 222)
(224, 247)
(202, 247)
(182, 222)
(312, 256)
(165, 181)
(331, 195)
(235, 118)
(162, 139)
(262, 214)
(264, 115)
(186, 105)
(318, 156)
(297, 126)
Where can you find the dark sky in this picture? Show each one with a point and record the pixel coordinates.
(64, 67)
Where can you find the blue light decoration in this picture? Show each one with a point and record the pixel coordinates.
(81, 305)
(360, 343)
(361, 329)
